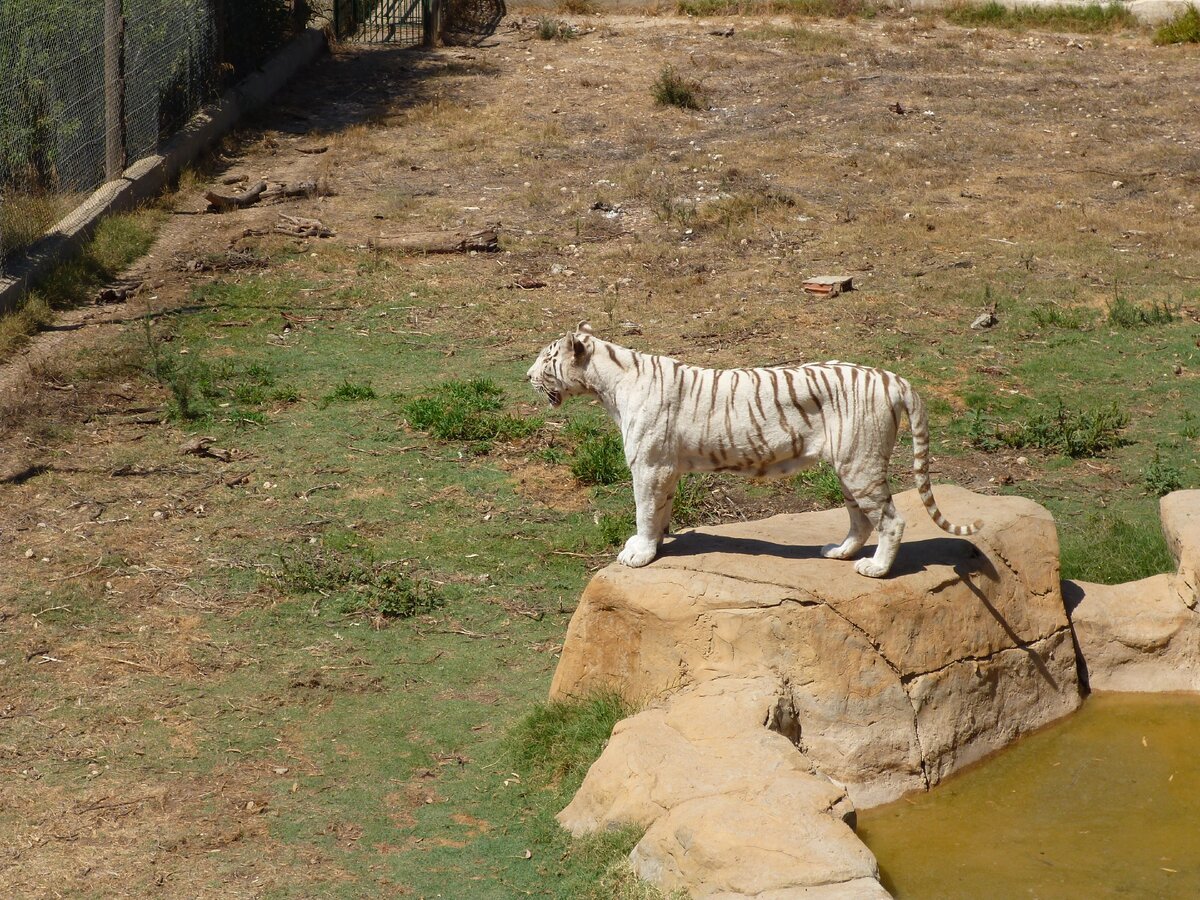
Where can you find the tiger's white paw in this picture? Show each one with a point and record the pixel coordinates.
(867, 566)
(638, 551)
(844, 550)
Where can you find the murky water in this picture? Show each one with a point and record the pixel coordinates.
(1106, 804)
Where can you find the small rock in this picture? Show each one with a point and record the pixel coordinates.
(987, 320)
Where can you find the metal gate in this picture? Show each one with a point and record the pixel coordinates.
(381, 21)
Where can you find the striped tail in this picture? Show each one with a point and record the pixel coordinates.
(919, 424)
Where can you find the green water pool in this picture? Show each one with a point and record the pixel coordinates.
(1105, 804)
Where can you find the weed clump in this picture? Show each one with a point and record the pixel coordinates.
(550, 29)
(1073, 433)
(348, 392)
(1094, 18)
(1161, 476)
(1183, 29)
(673, 89)
(822, 484)
(1126, 314)
(1047, 315)
(356, 582)
(470, 411)
(598, 457)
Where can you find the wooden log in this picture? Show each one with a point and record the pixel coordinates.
(483, 241)
(226, 202)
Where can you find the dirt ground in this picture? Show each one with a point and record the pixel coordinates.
(942, 168)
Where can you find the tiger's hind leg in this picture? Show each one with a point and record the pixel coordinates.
(860, 530)
(878, 508)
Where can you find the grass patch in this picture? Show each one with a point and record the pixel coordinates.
(550, 29)
(1074, 433)
(598, 456)
(119, 240)
(1124, 313)
(821, 484)
(579, 7)
(355, 582)
(673, 89)
(558, 741)
(1161, 476)
(1048, 315)
(470, 411)
(1183, 29)
(24, 218)
(1111, 549)
(349, 392)
(1095, 18)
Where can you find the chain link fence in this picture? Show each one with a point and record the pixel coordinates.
(86, 88)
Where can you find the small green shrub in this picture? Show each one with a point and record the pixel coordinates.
(1077, 434)
(1125, 314)
(356, 582)
(1183, 29)
(822, 485)
(555, 29)
(599, 457)
(706, 8)
(1161, 476)
(1112, 550)
(470, 411)
(348, 392)
(578, 7)
(673, 89)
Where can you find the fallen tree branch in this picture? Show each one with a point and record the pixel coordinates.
(226, 202)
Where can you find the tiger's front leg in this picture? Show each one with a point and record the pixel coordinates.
(653, 493)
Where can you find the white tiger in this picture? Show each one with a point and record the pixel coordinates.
(774, 421)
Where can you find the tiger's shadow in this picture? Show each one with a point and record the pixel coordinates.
(914, 556)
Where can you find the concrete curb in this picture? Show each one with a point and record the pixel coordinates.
(147, 177)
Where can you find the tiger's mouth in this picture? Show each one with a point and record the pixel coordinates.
(554, 397)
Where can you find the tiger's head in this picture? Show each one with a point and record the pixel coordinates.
(558, 371)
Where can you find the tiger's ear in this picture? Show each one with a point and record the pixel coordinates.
(581, 345)
(584, 327)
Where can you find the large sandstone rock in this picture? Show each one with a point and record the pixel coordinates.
(732, 808)
(1145, 635)
(888, 685)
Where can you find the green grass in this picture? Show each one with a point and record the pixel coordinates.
(1074, 433)
(469, 411)
(1094, 18)
(1162, 476)
(1123, 313)
(672, 89)
(349, 392)
(1110, 548)
(821, 484)
(354, 581)
(1183, 29)
(598, 457)
(119, 240)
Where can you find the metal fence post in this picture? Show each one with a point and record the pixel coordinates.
(114, 89)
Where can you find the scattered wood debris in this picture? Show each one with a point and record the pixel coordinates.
(829, 285)
(202, 446)
(117, 294)
(484, 240)
(227, 202)
(297, 226)
(525, 283)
